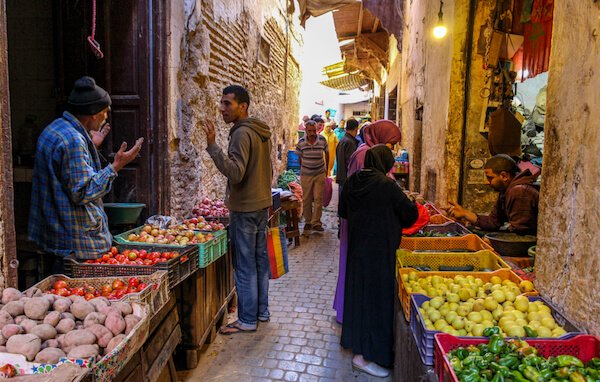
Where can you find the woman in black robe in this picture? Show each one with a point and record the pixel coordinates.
(377, 210)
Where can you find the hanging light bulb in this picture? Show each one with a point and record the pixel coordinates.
(440, 29)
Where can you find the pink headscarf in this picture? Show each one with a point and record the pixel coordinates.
(379, 132)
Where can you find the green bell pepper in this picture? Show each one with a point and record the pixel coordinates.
(563, 372)
(461, 353)
(532, 374)
(489, 357)
(546, 373)
(498, 378)
(593, 373)
(456, 364)
(530, 332)
(499, 369)
(488, 332)
(517, 376)
(568, 360)
(470, 375)
(496, 343)
(532, 360)
(486, 374)
(509, 361)
(576, 377)
(594, 363)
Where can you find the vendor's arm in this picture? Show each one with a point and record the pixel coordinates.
(521, 207)
(491, 222)
(457, 211)
(234, 165)
(78, 175)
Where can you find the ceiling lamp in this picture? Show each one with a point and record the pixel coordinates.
(440, 29)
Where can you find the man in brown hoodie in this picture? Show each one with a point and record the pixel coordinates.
(517, 203)
(247, 166)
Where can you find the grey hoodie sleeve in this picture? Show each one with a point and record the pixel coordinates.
(234, 165)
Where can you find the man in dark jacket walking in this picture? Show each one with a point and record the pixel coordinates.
(247, 166)
(517, 203)
(347, 146)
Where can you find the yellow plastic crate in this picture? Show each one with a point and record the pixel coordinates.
(469, 242)
(484, 260)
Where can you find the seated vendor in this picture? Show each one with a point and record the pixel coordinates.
(517, 203)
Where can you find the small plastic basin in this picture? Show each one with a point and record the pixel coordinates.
(123, 213)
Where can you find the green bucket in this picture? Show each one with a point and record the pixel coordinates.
(123, 213)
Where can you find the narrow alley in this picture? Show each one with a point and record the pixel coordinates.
(302, 340)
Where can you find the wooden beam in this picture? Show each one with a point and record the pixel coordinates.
(375, 25)
(367, 45)
(360, 20)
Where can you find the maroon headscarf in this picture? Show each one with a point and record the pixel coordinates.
(378, 132)
(381, 132)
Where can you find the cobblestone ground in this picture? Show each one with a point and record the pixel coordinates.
(302, 341)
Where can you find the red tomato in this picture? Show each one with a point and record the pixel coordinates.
(147, 262)
(154, 261)
(132, 256)
(120, 293)
(114, 250)
(62, 292)
(78, 291)
(133, 282)
(89, 289)
(120, 258)
(106, 289)
(110, 296)
(141, 287)
(106, 257)
(142, 253)
(113, 261)
(117, 284)
(131, 290)
(59, 284)
(162, 260)
(126, 252)
(89, 296)
(89, 261)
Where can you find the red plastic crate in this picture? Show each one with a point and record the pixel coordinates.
(584, 347)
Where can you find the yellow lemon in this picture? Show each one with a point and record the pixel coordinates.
(526, 286)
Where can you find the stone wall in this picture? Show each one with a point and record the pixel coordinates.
(568, 260)
(431, 97)
(215, 43)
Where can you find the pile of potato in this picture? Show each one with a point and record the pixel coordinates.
(45, 327)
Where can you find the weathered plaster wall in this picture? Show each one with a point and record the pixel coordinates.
(215, 43)
(431, 69)
(568, 261)
(477, 195)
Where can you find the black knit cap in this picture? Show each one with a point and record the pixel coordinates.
(87, 98)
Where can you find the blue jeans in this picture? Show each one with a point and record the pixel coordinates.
(251, 264)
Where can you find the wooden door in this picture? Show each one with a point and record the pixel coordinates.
(122, 31)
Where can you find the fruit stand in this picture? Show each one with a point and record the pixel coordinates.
(455, 290)
(162, 288)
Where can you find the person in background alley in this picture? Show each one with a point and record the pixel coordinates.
(302, 126)
(67, 216)
(340, 130)
(247, 166)
(332, 143)
(313, 153)
(379, 132)
(376, 210)
(347, 146)
(320, 124)
(328, 118)
(517, 202)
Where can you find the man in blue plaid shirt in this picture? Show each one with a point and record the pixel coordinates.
(67, 216)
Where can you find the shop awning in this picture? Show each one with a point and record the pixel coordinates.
(346, 81)
(316, 8)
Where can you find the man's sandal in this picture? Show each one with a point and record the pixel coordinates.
(234, 328)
